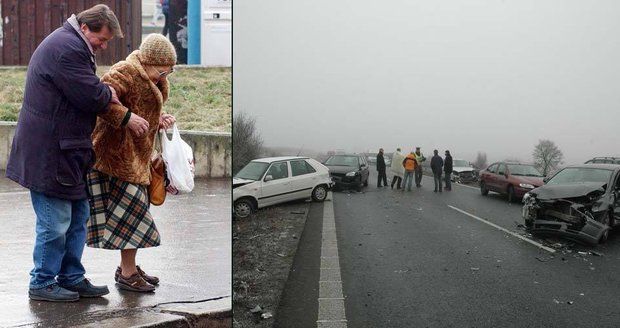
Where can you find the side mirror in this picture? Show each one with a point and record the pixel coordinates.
(545, 179)
(268, 178)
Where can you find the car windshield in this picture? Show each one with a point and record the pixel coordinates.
(252, 171)
(460, 163)
(342, 161)
(573, 175)
(524, 170)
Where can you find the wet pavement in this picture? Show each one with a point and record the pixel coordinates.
(193, 262)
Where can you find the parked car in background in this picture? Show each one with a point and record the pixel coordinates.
(463, 172)
(371, 159)
(348, 171)
(511, 179)
(388, 161)
(274, 180)
(580, 202)
(604, 160)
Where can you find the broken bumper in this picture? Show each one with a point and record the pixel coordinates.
(574, 225)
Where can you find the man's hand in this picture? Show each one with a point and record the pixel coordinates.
(114, 98)
(166, 121)
(137, 125)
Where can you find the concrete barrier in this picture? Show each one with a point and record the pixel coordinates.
(212, 150)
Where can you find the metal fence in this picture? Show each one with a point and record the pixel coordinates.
(25, 23)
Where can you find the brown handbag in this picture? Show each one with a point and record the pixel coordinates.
(157, 188)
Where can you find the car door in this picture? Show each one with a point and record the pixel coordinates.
(501, 179)
(303, 178)
(276, 190)
(489, 176)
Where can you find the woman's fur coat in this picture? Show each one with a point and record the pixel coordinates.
(119, 153)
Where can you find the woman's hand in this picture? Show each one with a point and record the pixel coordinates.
(166, 121)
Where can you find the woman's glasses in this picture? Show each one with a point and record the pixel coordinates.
(166, 73)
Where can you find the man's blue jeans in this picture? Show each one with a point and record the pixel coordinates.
(408, 180)
(61, 235)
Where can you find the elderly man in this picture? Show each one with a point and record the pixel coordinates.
(52, 148)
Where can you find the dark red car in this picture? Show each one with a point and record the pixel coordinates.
(511, 179)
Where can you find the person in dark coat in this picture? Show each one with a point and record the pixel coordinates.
(436, 166)
(447, 169)
(165, 9)
(381, 169)
(52, 148)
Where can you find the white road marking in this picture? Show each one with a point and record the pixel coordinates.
(551, 250)
(14, 193)
(331, 299)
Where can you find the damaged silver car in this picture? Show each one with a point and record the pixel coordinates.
(580, 202)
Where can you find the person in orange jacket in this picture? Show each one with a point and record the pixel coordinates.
(409, 163)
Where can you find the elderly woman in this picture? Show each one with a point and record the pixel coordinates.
(120, 217)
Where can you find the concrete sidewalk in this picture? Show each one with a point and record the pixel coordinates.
(193, 263)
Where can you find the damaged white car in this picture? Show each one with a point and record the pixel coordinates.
(579, 202)
(269, 181)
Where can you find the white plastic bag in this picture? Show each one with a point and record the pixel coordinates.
(179, 159)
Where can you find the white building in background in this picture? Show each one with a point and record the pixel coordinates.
(216, 33)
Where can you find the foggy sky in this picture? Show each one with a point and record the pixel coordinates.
(491, 76)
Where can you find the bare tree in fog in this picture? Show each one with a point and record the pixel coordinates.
(247, 142)
(481, 161)
(547, 156)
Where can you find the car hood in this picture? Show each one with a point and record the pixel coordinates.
(341, 169)
(567, 190)
(462, 169)
(237, 182)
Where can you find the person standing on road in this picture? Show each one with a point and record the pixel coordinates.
(418, 170)
(120, 217)
(397, 170)
(447, 169)
(165, 9)
(381, 169)
(52, 148)
(436, 167)
(409, 164)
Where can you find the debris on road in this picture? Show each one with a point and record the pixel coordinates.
(256, 309)
(298, 212)
(475, 269)
(570, 302)
(266, 315)
(596, 253)
(544, 258)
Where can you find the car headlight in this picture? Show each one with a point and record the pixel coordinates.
(352, 174)
(526, 185)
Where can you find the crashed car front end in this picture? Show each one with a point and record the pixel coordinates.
(578, 218)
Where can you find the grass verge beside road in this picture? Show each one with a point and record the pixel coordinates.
(200, 98)
(264, 247)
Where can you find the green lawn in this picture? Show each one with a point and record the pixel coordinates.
(200, 98)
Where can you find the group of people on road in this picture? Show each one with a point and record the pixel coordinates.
(83, 147)
(406, 168)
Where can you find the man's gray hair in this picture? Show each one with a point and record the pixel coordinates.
(99, 16)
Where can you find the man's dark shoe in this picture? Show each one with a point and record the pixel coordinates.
(150, 279)
(134, 283)
(86, 289)
(53, 293)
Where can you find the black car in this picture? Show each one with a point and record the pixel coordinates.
(580, 202)
(348, 171)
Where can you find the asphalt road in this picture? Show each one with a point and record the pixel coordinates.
(412, 259)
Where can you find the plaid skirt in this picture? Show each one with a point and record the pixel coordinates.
(119, 214)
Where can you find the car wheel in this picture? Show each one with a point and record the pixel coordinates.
(483, 189)
(319, 193)
(511, 194)
(243, 208)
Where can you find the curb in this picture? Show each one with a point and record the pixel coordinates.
(214, 313)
